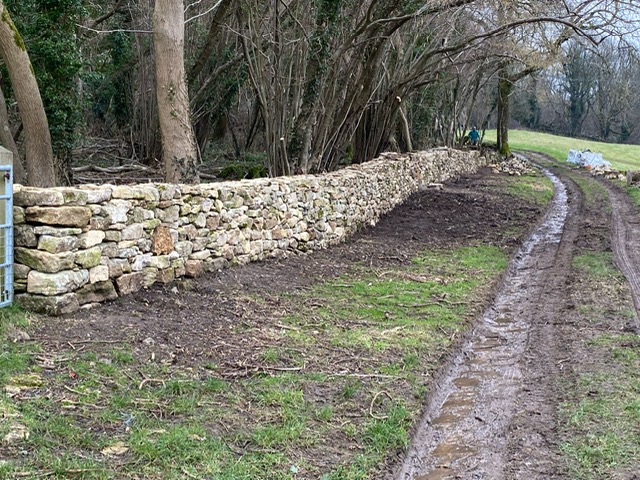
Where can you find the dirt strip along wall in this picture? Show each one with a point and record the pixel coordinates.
(79, 246)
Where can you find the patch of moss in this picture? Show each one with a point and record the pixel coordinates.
(16, 35)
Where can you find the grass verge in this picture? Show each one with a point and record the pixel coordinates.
(536, 188)
(634, 193)
(602, 418)
(352, 368)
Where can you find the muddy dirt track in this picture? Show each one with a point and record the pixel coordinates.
(492, 415)
(492, 411)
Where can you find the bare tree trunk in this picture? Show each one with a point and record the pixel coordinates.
(178, 140)
(505, 86)
(210, 43)
(6, 138)
(38, 150)
(406, 130)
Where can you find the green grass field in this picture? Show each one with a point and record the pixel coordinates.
(622, 157)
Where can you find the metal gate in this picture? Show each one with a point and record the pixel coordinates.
(6, 227)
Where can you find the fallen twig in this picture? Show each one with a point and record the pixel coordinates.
(78, 342)
(250, 370)
(363, 375)
(122, 168)
(287, 327)
(66, 402)
(48, 473)
(77, 392)
(373, 401)
(392, 330)
(430, 304)
(149, 380)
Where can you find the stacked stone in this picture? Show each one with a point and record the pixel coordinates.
(80, 246)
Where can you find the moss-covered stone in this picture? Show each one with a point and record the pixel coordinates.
(88, 258)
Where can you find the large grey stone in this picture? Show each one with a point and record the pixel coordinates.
(57, 244)
(117, 210)
(20, 272)
(56, 231)
(137, 192)
(160, 262)
(215, 264)
(66, 216)
(133, 232)
(58, 305)
(188, 232)
(113, 236)
(91, 239)
(150, 276)
(140, 262)
(30, 196)
(169, 214)
(73, 196)
(18, 215)
(194, 268)
(202, 255)
(99, 274)
(184, 249)
(166, 276)
(168, 191)
(50, 284)
(98, 194)
(200, 220)
(100, 223)
(151, 223)
(44, 261)
(24, 236)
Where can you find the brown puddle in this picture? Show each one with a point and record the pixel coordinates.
(466, 382)
(446, 418)
(457, 400)
(452, 450)
(487, 344)
(437, 474)
(503, 320)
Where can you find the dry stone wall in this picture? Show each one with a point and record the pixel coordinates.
(79, 246)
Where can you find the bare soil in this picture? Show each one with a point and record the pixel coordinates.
(196, 315)
(217, 320)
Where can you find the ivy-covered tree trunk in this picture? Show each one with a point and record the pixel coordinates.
(178, 140)
(38, 150)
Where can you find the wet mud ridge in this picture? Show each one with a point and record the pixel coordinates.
(465, 432)
(626, 243)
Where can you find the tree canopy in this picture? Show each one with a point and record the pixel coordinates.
(289, 86)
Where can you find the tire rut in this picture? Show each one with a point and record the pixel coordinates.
(464, 433)
(625, 232)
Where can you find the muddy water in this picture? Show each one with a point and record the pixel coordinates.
(463, 434)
